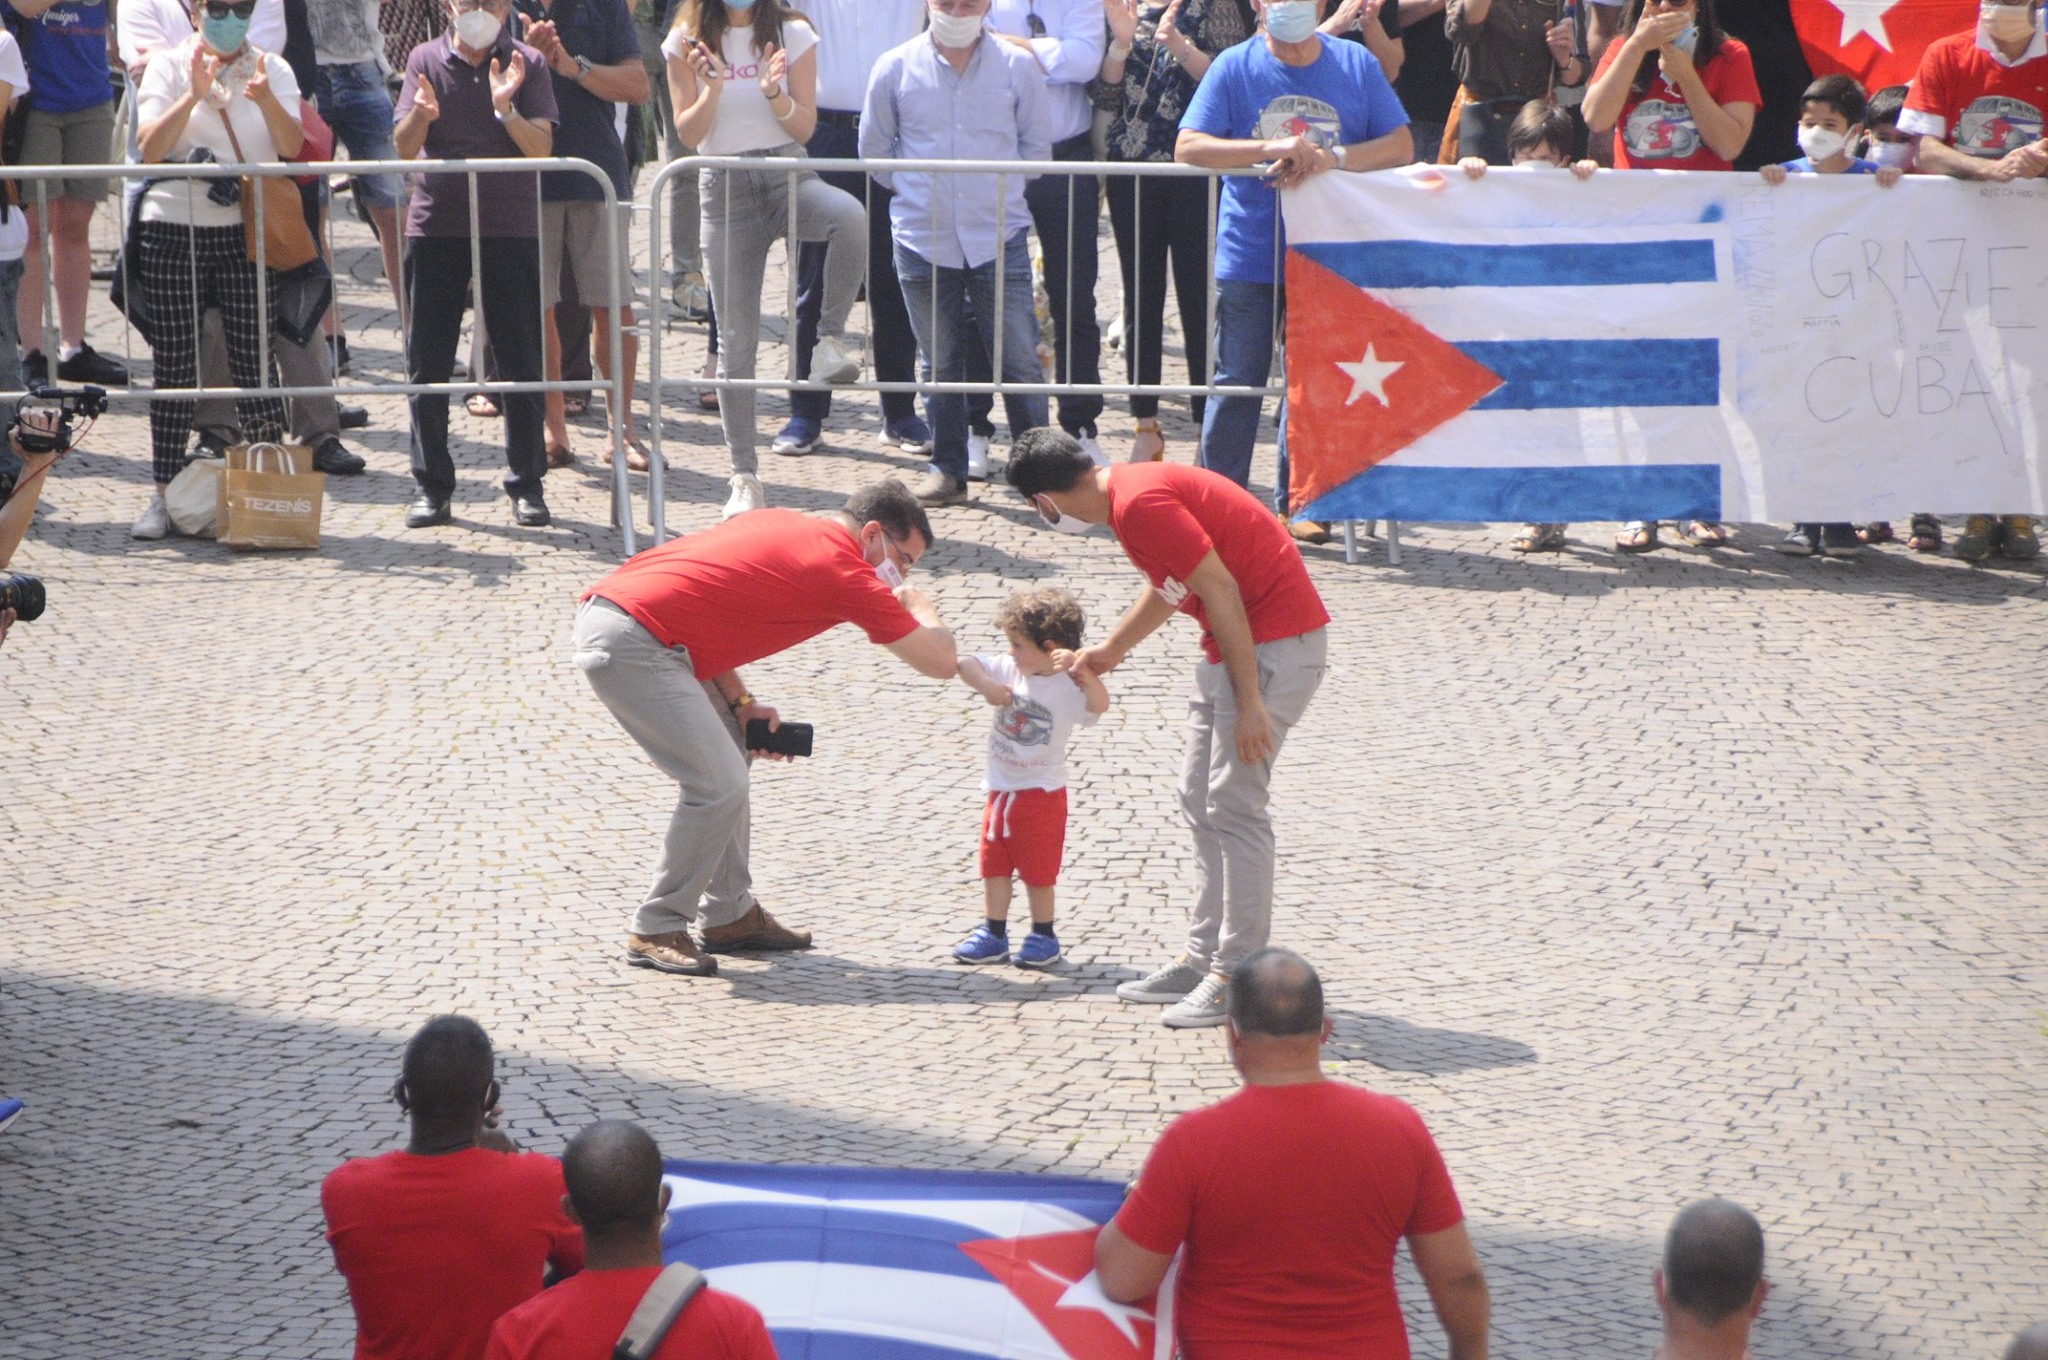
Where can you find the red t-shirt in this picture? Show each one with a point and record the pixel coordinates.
(581, 1319)
(1969, 100)
(1291, 1200)
(1656, 130)
(755, 585)
(1169, 516)
(435, 1249)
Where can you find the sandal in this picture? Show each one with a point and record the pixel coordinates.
(1640, 538)
(708, 399)
(1539, 538)
(1877, 531)
(1926, 534)
(574, 404)
(1150, 445)
(481, 404)
(636, 456)
(561, 456)
(1704, 533)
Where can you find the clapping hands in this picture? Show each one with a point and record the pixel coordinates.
(506, 78)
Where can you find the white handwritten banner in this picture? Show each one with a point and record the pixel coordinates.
(1665, 345)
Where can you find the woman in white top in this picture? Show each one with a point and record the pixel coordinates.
(13, 224)
(189, 252)
(743, 80)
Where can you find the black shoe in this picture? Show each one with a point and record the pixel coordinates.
(1839, 540)
(211, 445)
(91, 366)
(35, 368)
(531, 512)
(331, 455)
(338, 348)
(1803, 541)
(425, 510)
(354, 417)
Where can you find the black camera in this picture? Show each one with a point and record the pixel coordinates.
(23, 594)
(68, 404)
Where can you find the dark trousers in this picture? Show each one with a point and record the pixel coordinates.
(1065, 210)
(895, 346)
(437, 292)
(1155, 218)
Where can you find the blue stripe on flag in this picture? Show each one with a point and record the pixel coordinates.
(1098, 1200)
(712, 1235)
(1588, 264)
(1678, 491)
(1549, 375)
(792, 1344)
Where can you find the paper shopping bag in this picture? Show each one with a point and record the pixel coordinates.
(270, 497)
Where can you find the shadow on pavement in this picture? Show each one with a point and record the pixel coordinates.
(1397, 1045)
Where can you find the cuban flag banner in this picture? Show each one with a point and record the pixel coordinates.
(854, 1264)
(1663, 345)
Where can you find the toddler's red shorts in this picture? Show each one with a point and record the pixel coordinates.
(1024, 832)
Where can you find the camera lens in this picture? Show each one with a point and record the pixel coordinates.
(23, 594)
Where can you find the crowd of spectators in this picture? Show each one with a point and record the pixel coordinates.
(946, 260)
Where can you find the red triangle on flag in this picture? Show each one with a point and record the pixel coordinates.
(1054, 1276)
(1363, 380)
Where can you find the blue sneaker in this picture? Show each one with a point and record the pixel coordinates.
(983, 946)
(909, 435)
(798, 437)
(1038, 950)
(10, 1110)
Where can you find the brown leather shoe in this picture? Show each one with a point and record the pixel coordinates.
(756, 930)
(937, 488)
(674, 952)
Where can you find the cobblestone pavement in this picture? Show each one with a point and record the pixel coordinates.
(1642, 878)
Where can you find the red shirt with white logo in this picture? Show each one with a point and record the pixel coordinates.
(754, 586)
(1974, 102)
(1290, 1201)
(436, 1249)
(581, 1319)
(1168, 516)
(1657, 130)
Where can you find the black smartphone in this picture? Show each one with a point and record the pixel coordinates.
(790, 739)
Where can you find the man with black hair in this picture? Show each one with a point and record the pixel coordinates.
(1206, 548)
(616, 1193)
(2030, 1344)
(1711, 1286)
(1288, 1200)
(662, 639)
(437, 1240)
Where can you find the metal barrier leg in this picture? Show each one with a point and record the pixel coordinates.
(1393, 543)
(1351, 541)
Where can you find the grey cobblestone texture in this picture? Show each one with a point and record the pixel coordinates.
(1641, 878)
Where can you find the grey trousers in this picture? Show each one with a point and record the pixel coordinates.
(685, 727)
(313, 418)
(1224, 801)
(744, 212)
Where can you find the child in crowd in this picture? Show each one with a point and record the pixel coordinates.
(1540, 135)
(1894, 150)
(1831, 120)
(1024, 825)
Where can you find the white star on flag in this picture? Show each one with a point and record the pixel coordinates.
(1369, 375)
(1864, 16)
(1086, 1292)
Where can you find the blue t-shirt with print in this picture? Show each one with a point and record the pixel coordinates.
(1340, 99)
(1804, 166)
(66, 53)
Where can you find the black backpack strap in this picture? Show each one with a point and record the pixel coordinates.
(658, 1309)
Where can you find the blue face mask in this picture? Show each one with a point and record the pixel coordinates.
(1686, 41)
(743, 6)
(1291, 21)
(224, 34)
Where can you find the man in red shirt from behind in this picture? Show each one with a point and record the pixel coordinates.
(616, 1193)
(1288, 1199)
(436, 1241)
(1208, 549)
(662, 639)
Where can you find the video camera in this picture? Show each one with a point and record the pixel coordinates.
(48, 428)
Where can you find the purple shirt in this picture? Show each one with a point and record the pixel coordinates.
(468, 128)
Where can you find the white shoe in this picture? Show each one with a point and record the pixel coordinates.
(977, 457)
(831, 363)
(1092, 449)
(155, 521)
(746, 495)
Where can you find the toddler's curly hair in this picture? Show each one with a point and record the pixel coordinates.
(1049, 617)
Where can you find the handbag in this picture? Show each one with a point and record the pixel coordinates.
(126, 292)
(193, 498)
(264, 509)
(657, 1311)
(286, 243)
(318, 147)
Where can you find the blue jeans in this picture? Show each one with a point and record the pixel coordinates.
(1244, 358)
(353, 100)
(939, 299)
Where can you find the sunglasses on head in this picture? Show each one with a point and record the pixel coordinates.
(1034, 25)
(218, 9)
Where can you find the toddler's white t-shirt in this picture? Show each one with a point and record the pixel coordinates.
(1027, 743)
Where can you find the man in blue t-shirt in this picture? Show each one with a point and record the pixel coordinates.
(1303, 103)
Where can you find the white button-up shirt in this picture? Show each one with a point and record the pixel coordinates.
(919, 108)
(1070, 53)
(852, 36)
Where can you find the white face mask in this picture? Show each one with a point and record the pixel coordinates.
(1820, 143)
(477, 29)
(886, 570)
(1065, 524)
(1892, 155)
(955, 30)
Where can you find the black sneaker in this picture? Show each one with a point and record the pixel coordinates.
(425, 510)
(1839, 540)
(338, 347)
(91, 366)
(331, 455)
(35, 368)
(1803, 541)
(211, 444)
(354, 417)
(530, 512)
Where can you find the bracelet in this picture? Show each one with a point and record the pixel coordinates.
(1115, 55)
(745, 700)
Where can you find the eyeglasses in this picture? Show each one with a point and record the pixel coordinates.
(216, 9)
(903, 552)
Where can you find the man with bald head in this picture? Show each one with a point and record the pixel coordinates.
(613, 1170)
(1711, 1286)
(1290, 1198)
(2031, 1344)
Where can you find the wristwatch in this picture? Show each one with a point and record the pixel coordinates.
(584, 66)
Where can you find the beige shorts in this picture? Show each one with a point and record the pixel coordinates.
(575, 227)
(82, 137)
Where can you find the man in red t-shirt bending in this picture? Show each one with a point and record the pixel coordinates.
(1288, 1199)
(615, 1191)
(662, 639)
(1206, 548)
(438, 1240)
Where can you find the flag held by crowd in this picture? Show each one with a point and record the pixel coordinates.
(856, 1264)
(1645, 345)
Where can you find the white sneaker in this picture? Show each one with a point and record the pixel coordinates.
(746, 495)
(831, 363)
(1200, 1008)
(1092, 449)
(977, 457)
(155, 521)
